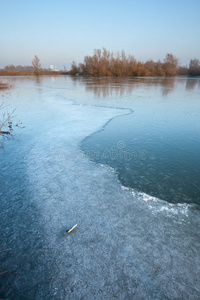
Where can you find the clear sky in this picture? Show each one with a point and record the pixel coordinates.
(59, 31)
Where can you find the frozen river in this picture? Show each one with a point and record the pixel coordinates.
(129, 244)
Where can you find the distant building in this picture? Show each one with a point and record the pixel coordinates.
(53, 68)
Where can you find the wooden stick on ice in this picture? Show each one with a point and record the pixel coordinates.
(68, 231)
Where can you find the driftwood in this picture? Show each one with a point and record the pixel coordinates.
(68, 231)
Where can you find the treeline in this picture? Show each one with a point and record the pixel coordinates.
(22, 70)
(35, 69)
(106, 63)
(12, 68)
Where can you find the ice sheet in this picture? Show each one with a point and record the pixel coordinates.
(124, 246)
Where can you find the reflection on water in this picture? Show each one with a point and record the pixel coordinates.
(38, 79)
(191, 83)
(105, 86)
(108, 86)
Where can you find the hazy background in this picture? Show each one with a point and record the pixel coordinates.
(61, 31)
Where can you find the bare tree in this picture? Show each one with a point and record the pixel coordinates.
(74, 68)
(170, 65)
(36, 64)
(194, 67)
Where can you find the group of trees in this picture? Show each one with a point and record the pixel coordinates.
(194, 67)
(34, 69)
(105, 63)
(12, 68)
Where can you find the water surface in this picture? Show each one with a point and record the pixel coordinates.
(155, 149)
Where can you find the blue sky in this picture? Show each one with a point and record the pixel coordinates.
(59, 31)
